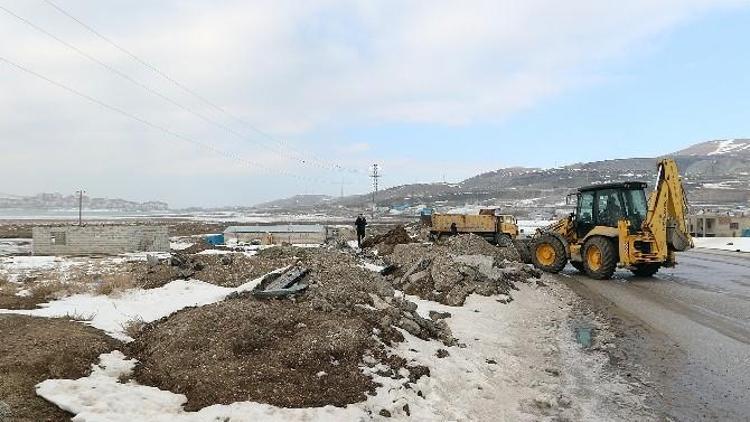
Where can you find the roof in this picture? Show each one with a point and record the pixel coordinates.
(280, 228)
(617, 185)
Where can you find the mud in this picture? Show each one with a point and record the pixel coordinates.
(35, 349)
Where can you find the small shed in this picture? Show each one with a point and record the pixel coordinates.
(278, 234)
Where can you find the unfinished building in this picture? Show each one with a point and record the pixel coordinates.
(99, 239)
(719, 225)
(278, 234)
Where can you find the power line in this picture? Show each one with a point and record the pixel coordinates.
(140, 84)
(182, 86)
(211, 148)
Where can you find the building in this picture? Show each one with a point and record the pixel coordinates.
(719, 225)
(99, 239)
(278, 234)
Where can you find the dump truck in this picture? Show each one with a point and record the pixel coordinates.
(615, 225)
(498, 229)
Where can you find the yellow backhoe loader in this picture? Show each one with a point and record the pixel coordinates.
(614, 225)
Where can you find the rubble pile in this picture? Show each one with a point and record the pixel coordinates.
(232, 270)
(384, 243)
(301, 350)
(450, 272)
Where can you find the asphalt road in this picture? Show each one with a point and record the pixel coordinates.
(695, 345)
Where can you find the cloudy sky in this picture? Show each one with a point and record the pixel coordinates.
(236, 102)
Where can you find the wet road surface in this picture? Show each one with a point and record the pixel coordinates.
(699, 313)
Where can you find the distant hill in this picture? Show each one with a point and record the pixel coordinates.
(47, 201)
(739, 148)
(302, 201)
(716, 174)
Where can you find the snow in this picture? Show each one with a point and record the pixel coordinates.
(530, 226)
(180, 245)
(14, 267)
(112, 313)
(500, 374)
(724, 243)
(730, 146)
(216, 252)
(372, 267)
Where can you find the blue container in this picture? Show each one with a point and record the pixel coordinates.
(215, 239)
(746, 233)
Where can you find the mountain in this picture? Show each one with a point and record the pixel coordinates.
(297, 201)
(716, 174)
(59, 201)
(739, 148)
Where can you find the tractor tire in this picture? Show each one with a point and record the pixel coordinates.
(600, 258)
(548, 254)
(502, 239)
(578, 266)
(645, 270)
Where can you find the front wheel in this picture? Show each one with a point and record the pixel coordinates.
(645, 270)
(548, 254)
(502, 239)
(599, 258)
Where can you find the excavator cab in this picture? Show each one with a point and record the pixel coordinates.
(607, 204)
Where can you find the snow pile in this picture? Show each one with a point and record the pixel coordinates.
(741, 244)
(112, 314)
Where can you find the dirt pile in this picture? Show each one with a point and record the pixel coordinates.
(35, 349)
(450, 272)
(471, 244)
(299, 351)
(384, 243)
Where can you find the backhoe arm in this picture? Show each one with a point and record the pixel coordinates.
(667, 209)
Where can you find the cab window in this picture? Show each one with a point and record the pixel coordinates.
(609, 207)
(585, 212)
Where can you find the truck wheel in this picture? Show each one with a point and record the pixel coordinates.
(599, 258)
(522, 246)
(548, 254)
(578, 266)
(502, 239)
(645, 270)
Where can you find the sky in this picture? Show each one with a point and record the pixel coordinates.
(221, 103)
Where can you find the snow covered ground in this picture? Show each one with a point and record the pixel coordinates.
(517, 361)
(113, 313)
(741, 244)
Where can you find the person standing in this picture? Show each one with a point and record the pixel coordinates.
(360, 223)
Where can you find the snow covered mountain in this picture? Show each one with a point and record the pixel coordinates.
(725, 147)
(715, 173)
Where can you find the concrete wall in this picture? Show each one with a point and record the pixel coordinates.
(99, 239)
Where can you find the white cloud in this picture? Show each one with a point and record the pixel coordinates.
(292, 67)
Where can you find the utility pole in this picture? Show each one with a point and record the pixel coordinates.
(375, 175)
(80, 206)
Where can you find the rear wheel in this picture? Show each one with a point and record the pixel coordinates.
(578, 266)
(502, 239)
(522, 246)
(645, 270)
(599, 258)
(548, 254)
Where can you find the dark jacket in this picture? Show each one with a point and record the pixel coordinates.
(360, 223)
